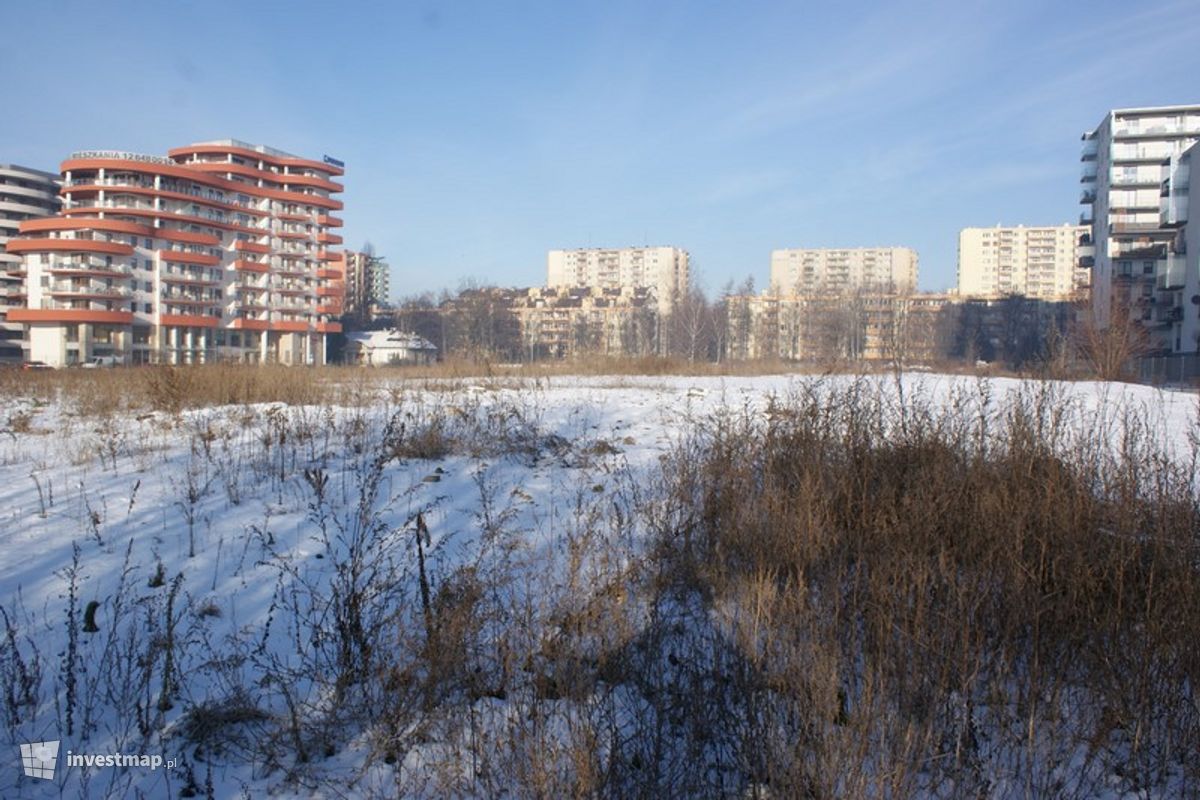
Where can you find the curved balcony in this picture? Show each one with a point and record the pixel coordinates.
(89, 292)
(93, 224)
(189, 320)
(244, 246)
(48, 245)
(189, 257)
(68, 314)
(189, 280)
(240, 149)
(245, 265)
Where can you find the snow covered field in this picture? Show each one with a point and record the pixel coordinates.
(239, 560)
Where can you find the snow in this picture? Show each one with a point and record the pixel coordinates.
(217, 497)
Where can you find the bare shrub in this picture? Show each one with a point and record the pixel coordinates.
(936, 602)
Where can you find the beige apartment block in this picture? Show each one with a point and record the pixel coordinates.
(1038, 262)
(906, 327)
(823, 270)
(662, 270)
(565, 322)
(368, 285)
(1125, 161)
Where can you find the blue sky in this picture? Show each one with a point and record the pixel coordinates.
(479, 135)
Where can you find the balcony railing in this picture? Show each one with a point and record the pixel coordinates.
(1187, 127)
(89, 266)
(1173, 211)
(1143, 250)
(1174, 275)
(1132, 227)
(91, 290)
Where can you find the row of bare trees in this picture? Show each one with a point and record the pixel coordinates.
(481, 322)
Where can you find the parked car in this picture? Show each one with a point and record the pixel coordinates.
(103, 361)
(36, 365)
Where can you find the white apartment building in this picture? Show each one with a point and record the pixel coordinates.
(1175, 307)
(24, 194)
(1124, 165)
(1038, 262)
(840, 271)
(219, 250)
(663, 270)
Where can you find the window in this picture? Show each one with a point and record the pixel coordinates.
(1147, 267)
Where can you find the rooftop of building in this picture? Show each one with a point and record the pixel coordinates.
(258, 148)
(1155, 110)
(390, 338)
(41, 173)
(617, 249)
(1022, 226)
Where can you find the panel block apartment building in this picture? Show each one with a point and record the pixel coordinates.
(1138, 259)
(808, 271)
(219, 250)
(662, 270)
(1044, 263)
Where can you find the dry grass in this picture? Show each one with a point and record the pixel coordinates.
(923, 600)
(167, 388)
(849, 594)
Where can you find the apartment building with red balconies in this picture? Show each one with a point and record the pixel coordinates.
(219, 250)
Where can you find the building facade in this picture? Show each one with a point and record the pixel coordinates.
(1176, 302)
(567, 322)
(219, 250)
(662, 270)
(1125, 160)
(1040, 262)
(24, 194)
(368, 283)
(804, 271)
(388, 348)
(833, 326)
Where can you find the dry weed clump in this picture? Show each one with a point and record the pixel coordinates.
(944, 600)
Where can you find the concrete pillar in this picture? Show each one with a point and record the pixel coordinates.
(85, 342)
(189, 341)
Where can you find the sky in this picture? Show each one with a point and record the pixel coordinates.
(477, 136)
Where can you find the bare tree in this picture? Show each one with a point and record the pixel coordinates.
(689, 325)
(1112, 349)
